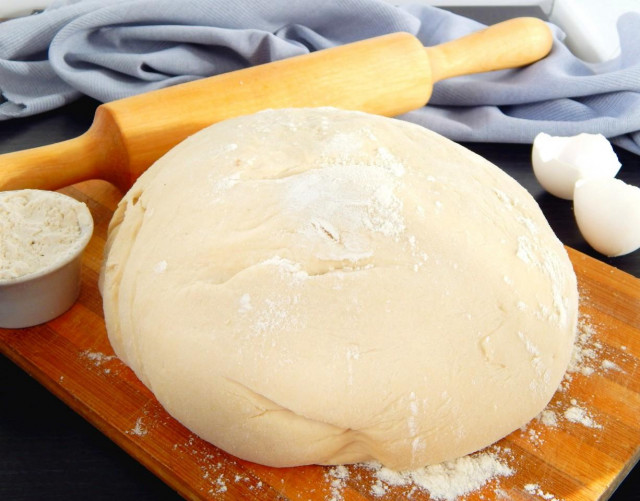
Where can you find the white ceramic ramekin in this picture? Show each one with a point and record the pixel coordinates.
(43, 294)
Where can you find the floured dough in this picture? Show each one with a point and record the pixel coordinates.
(321, 286)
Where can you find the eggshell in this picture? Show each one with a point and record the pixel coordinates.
(608, 215)
(558, 162)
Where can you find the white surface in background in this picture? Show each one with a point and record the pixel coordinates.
(590, 25)
(17, 8)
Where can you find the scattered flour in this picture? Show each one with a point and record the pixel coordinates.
(337, 477)
(97, 357)
(218, 470)
(220, 484)
(445, 481)
(548, 418)
(534, 489)
(608, 365)
(160, 267)
(577, 414)
(534, 437)
(101, 361)
(587, 355)
(586, 352)
(378, 489)
(139, 429)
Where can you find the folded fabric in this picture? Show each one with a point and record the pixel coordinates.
(109, 49)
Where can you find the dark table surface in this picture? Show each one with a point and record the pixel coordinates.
(47, 452)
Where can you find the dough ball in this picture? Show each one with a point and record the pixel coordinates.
(320, 286)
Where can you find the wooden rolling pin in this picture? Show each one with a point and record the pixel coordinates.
(388, 75)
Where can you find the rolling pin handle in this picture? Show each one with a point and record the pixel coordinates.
(89, 156)
(48, 167)
(509, 44)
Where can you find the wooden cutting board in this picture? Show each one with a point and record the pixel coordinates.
(579, 449)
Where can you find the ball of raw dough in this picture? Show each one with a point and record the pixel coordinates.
(321, 286)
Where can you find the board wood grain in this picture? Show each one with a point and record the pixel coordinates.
(588, 442)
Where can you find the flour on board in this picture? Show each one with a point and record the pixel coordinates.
(139, 429)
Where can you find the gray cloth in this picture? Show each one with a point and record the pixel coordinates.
(109, 49)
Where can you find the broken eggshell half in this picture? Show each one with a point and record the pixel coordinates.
(608, 215)
(558, 162)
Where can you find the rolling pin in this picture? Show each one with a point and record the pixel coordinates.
(387, 75)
